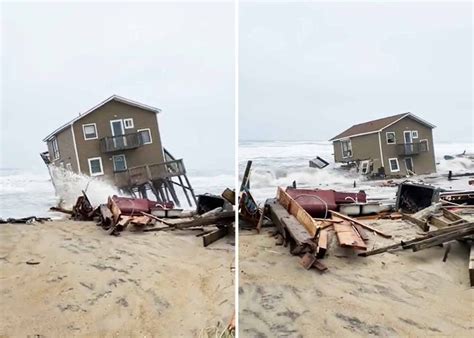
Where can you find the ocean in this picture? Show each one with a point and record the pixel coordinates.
(279, 163)
(29, 192)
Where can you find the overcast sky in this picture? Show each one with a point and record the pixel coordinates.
(310, 70)
(59, 60)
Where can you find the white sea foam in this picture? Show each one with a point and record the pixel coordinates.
(26, 193)
(280, 163)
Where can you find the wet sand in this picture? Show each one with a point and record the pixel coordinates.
(93, 285)
(402, 293)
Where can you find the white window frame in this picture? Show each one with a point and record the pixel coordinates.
(412, 164)
(130, 120)
(349, 148)
(149, 131)
(390, 164)
(124, 160)
(394, 137)
(84, 131)
(56, 154)
(414, 134)
(89, 160)
(427, 143)
(365, 164)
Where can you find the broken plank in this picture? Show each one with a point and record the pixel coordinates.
(322, 244)
(348, 237)
(422, 224)
(361, 231)
(214, 236)
(368, 227)
(471, 264)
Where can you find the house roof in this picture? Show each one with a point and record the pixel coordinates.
(112, 98)
(375, 126)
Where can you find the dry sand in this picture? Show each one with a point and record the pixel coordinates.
(403, 293)
(93, 285)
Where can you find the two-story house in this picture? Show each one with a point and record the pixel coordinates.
(119, 140)
(396, 145)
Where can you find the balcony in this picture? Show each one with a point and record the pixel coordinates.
(123, 142)
(149, 172)
(416, 148)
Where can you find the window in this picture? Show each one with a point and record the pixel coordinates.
(120, 163)
(364, 167)
(145, 136)
(346, 148)
(424, 145)
(391, 137)
(128, 123)
(90, 131)
(55, 148)
(394, 167)
(95, 166)
(414, 134)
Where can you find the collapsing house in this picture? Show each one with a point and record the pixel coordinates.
(119, 140)
(397, 145)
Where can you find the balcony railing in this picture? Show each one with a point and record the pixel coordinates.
(411, 148)
(121, 142)
(150, 172)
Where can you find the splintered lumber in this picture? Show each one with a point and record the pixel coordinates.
(432, 234)
(422, 224)
(214, 236)
(106, 215)
(352, 220)
(114, 209)
(438, 222)
(63, 210)
(348, 237)
(361, 232)
(296, 210)
(471, 265)
(157, 218)
(322, 244)
(309, 261)
(451, 215)
(440, 239)
(223, 217)
(229, 196)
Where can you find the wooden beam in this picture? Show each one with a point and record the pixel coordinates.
(368, 227)
(471, 264)
(422, 224)
(214, 236)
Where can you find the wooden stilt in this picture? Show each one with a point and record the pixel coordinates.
(185, 190)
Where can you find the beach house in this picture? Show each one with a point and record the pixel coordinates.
(119, 140)
(392, 146)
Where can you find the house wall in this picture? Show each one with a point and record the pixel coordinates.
(66, 149)
(363, 148)
(423, 163)
(114, 110)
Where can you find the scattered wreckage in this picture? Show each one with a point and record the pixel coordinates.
(120, 213)
(310, 220)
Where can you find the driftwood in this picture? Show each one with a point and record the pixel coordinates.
(368, 227)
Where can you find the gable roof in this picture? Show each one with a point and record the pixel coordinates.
(112, 98)
(375, 126)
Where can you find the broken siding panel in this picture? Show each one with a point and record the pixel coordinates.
(337, 151)
(423, 162)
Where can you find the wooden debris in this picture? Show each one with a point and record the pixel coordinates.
(368, 227)
(348, 237)
(471, 264)
(214, 236)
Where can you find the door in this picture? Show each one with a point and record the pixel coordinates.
(409, 165)
(407, 135)
(118, 130)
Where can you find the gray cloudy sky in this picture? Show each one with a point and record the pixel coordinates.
(310, 70)
(59, 60)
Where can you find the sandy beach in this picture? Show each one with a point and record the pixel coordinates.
(82, 282)
(402, 293)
